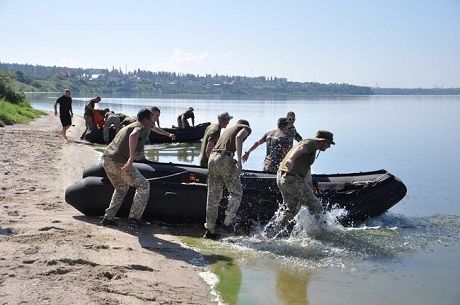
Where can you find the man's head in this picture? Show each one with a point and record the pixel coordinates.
(97, 99)
(224, 118)
(156, 112)
(145, 116)
(290, 117)
(190, 109)
(282, 123)
(243, 122)
(325, 139)
(67, 92)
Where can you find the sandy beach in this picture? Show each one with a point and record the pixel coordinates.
(52, 254)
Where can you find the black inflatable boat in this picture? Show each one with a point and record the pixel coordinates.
(178, 194)
(183, 135)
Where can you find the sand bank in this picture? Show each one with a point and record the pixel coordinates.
(51, 254)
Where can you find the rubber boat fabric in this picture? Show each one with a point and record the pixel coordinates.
(178, 194)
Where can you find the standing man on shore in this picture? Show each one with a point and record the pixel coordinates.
(65, 111)
(292, 180)
(88, 115)
(211, 135)
(224, 171)
(118, 161)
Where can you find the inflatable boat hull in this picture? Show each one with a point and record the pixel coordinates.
(183, 135)
(178, 194)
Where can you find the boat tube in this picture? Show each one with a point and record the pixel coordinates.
(183, 135)
(178, 194)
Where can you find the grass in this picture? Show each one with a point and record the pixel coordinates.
(17, 113)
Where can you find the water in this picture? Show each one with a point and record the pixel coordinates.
(409, 255)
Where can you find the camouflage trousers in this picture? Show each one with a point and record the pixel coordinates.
(121, 182)
(111, 120)
(296, 192)
(222, 173)
(88, 125)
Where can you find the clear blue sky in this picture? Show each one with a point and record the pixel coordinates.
(389, 43)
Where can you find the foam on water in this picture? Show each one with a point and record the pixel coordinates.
(325, 243)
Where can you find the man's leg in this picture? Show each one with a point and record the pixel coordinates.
(291, 203)
(114, 173)
(64, 131)
(215, 188)
(141, 196)
(235, 190)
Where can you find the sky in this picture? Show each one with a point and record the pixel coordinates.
(377, 43)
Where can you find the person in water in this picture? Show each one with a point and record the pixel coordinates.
(182, 119)
(224, 172)
(211, 135)
(278, 145)
(156, 112)
(88, 115)
(292, 180)
(65, 111)
(291, 130)
(118, 161)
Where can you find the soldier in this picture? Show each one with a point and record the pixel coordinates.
(88, 115)
(211, 135)
(224, 171)
(65, 111)
(118, 161)
(182, 118)
(292, 177)
(112, 120)
(291, 131)
(278, 145)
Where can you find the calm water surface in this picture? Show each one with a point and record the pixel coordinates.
(407, 256)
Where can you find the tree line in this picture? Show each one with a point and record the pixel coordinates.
(45, 78)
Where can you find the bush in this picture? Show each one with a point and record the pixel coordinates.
(7, 91)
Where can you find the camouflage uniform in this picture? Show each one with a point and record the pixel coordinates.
(294, 185)
(221, 173)
(292, 134)
(88, 116)
(121, 182)
(112, 119)
(115, 156)
(296, 192)
(277, 144)
(212, 133)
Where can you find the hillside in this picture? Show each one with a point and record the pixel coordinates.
(54, 79)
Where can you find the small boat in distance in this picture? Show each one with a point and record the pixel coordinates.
(178, 194)
(190, 134)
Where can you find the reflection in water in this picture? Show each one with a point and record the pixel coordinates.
(291, 286)
(174, 152)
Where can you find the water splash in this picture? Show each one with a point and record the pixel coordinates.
(325, 242)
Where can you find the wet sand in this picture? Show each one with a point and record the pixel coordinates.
(52, 254)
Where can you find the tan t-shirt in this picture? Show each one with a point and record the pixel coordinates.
(227, 139)
(303, 162)
(118, 149)
(212, 133)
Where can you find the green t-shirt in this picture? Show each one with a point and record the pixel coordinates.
(118, 149)
(303, 162)
(227, 139)
(212, 133)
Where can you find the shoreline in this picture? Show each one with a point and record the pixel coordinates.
(52, 254)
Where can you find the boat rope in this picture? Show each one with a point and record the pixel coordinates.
(167, 176)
